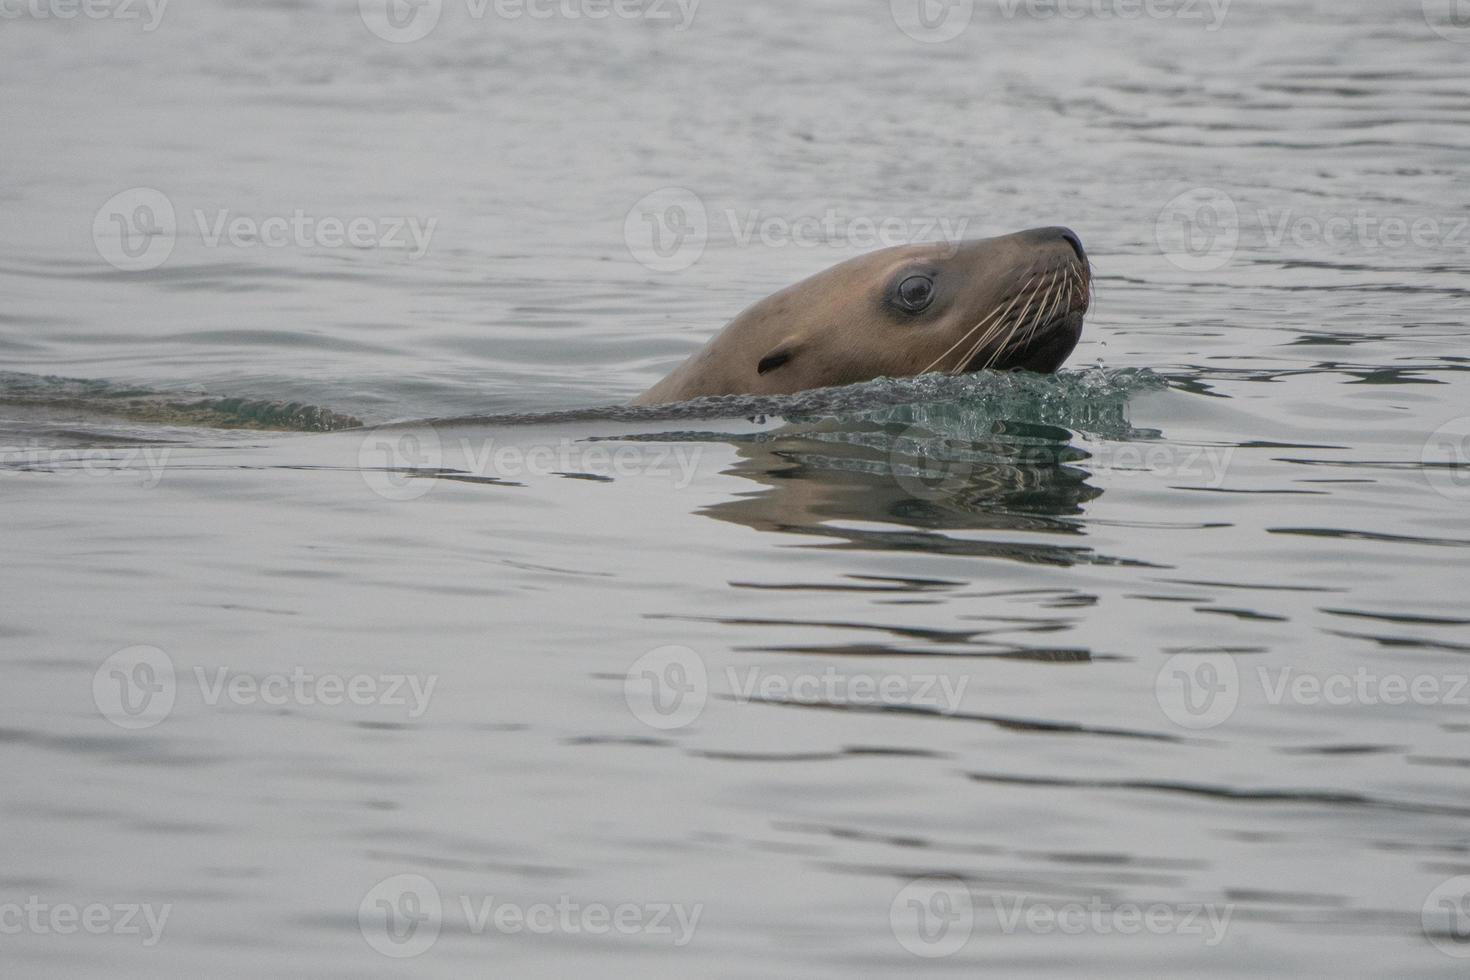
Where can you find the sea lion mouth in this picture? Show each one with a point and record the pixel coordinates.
(1037, 328)
(1046, 350)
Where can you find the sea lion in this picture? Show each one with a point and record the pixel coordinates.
(1012, 302)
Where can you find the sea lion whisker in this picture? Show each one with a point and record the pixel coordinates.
(1016, 325)
(1058, 305)
(999, 311)
(994, 330)
(1043, 311)
(1033, 318)
(968, 334)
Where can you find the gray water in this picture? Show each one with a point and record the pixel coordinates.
(1156, 667)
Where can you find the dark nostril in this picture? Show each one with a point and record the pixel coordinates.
(1074, 241)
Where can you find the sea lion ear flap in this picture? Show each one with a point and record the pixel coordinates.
(778, 356)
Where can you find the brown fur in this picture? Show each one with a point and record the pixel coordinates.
(1025, 292)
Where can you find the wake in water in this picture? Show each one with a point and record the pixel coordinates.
(1092, 400)
(79, 400)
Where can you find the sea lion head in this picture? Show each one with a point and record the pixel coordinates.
(1014, 302)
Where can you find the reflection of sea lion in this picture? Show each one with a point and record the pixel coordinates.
(1011, 302)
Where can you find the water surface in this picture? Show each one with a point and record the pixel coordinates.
(1139, 626)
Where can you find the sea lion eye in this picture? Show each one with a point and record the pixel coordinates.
(915, 294)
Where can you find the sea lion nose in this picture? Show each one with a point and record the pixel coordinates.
(1065, 234)
(1074, 241)
(1054, 235)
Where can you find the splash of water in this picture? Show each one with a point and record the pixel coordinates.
(1091, 400)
